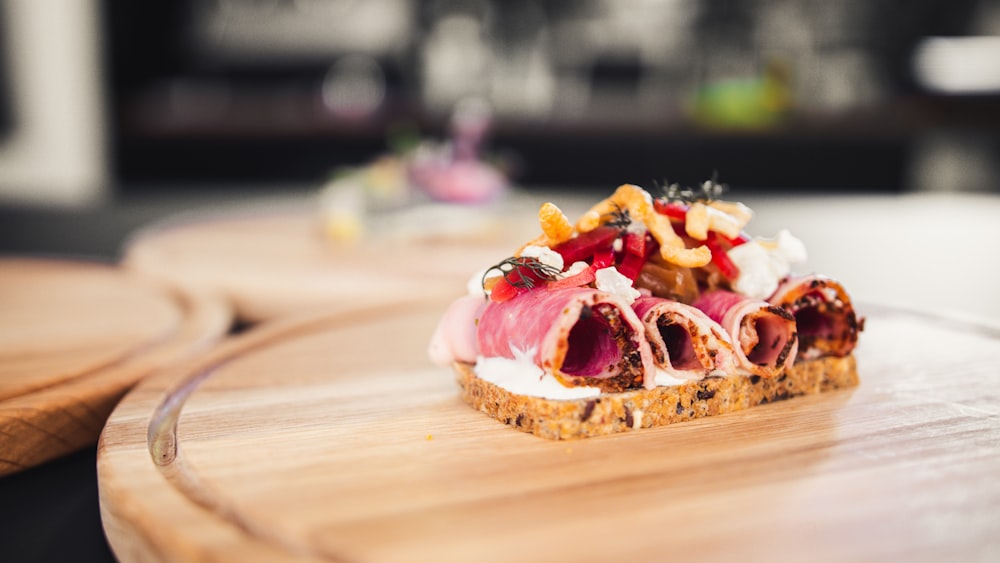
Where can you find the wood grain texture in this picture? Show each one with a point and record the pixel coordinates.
(74, 337)
(62, 319)
(333, 438)
(274, 263)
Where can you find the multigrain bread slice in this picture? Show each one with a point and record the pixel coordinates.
(647, 408)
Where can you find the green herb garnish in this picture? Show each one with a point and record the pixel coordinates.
(514, 271)
(709, 191)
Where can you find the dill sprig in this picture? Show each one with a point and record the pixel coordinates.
(620, 218)
(709, 191)
(513, 270)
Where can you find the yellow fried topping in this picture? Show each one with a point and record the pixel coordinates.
(697, 222)
(627, 197)
(556, 228)
(724, 217)
(555, 225)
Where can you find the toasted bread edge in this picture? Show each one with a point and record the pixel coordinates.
(647, 408)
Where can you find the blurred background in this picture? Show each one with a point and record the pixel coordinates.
(105, 99)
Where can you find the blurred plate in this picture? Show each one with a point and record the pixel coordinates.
(273, 262)
(74, 336)
(333, 438)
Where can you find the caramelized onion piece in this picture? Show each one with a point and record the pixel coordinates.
(669, 281)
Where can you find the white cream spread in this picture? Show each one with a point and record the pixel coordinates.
(763, 263)
(664, 379)
(523, 377)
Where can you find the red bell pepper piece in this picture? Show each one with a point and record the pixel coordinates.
(584, 245)
(576, 280)
(741, 238)
(630, 265)
(603, 257)
(503, 290)
(676, 211)
(634, 243)
(719, 257)
(637, 248)
(517, 280)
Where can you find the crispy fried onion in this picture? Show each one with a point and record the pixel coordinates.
(639, 205)
(726, 218)
(556, 228)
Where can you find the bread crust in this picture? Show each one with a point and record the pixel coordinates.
(646, 408)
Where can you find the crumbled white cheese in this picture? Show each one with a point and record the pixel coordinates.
(612, 281)
(763, 263)
(757, 279)
(575, 269)
(790, 248)
(545, 255)
(521, 376)
(637, 228)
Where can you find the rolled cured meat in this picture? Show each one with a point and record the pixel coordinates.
(685, 342)
(827, 323)
(454, 338)
(580, 335)
(764, 335)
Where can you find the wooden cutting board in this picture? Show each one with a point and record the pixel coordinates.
(74, 336)
(274, 262)
(333, 438)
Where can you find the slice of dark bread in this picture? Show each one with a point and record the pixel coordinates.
(647, 408)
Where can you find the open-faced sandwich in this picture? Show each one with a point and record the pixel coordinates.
(643, 313)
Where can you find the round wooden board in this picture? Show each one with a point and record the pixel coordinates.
(74, 336)
(333, 438)
(274, 262)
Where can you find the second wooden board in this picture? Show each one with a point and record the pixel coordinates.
(74, 337)
(274, 262)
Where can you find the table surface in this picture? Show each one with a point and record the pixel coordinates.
(920, 251)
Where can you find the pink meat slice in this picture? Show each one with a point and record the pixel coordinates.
(826, 320)
(685, 342)
(764, 335)
(454, 338)
(580, 335)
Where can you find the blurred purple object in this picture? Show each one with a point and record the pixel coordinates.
(455, 171)
(458, 181)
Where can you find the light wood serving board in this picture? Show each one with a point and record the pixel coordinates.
(333, 438)
(74, 337)
(273, 262)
